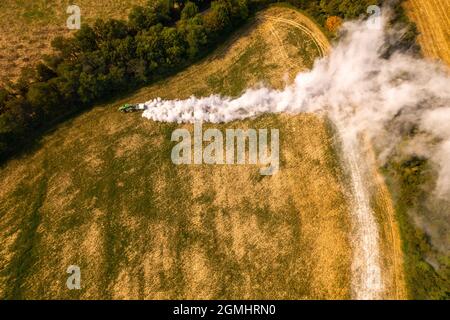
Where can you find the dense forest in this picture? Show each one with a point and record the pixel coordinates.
(113, 57)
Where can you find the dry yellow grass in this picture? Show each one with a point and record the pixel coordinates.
(27, 27)
(392, 262)
(102, 193)
(433, 21)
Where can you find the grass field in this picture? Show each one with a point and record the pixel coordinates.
(101, 192)
(433, 22)
(27, 27)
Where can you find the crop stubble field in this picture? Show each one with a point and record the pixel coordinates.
(101, 192)
(433, 22)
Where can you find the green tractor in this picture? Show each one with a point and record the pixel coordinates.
(131, 108)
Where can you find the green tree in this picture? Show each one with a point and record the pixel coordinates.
(44, 73)
(110, 29)
(175, 47)
(91, 87)
(141, 18)
(68, 82)
(86, 38)
(4, 94)
(217, 20)
(42, 96)
(67, 48)
(189, 11)
(195, 35)
(150, 48)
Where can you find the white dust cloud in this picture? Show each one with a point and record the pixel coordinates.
(355, 85)
(364, 93)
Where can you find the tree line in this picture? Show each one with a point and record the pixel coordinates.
(114, 56)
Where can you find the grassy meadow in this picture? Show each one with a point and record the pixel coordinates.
(27, 27)
(101, 192)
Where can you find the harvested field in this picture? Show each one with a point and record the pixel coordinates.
(101, 192)
(433, 21)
